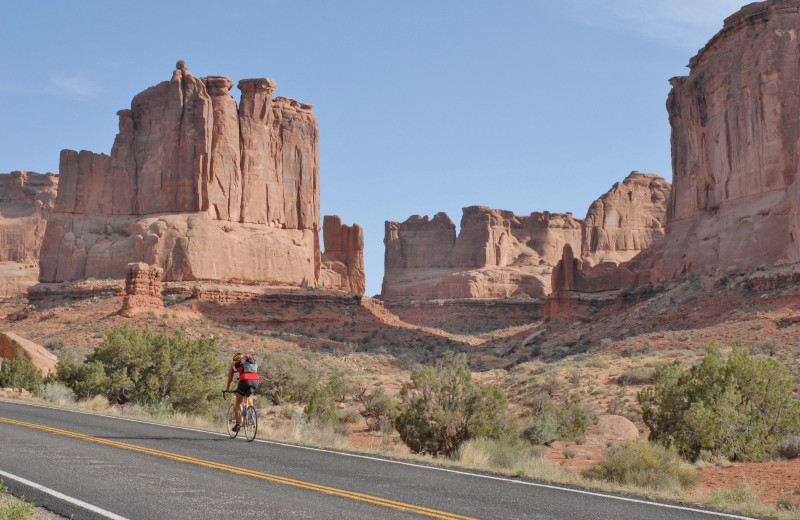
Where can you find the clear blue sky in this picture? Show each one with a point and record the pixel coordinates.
(423, 106)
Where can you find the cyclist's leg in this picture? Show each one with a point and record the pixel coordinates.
(238, 407)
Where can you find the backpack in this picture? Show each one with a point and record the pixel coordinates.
(249, 364)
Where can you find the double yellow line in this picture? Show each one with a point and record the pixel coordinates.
(250, 473)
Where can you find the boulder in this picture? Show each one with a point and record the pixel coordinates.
(41, 358)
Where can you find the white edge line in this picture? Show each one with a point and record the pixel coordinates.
(411, 464)
(62, 496)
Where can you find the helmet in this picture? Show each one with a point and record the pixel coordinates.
(237, 356)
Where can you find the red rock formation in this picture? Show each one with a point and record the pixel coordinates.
(497, 254)
(41, 358)
(419, 242)
(196, 186)
(626, 220)
(142, 289)
(735, 143)
(26, 201)
(343, 259)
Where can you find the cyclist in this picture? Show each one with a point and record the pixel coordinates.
(248, 382)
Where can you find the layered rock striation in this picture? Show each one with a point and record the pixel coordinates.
(498, 254)
(197, 185)
(142, 289)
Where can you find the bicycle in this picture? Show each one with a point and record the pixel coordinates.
(248, 414)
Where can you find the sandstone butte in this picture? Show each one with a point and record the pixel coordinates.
(735, 202)
(498, 254)
(203, 189)
(735, 141)
(26, 201)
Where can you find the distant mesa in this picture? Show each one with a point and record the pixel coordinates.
(200, 187)
(498, 254)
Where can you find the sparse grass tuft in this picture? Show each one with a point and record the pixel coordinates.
(644, 464)
(12, 508)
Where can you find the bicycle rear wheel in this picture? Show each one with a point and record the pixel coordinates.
(231, 420)
(251, 424)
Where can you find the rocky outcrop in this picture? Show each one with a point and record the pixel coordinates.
(43, 359)
(735, 143)
(26, 201)
(142, 289)
(343, 259)
(196, 186)
(496, 254)
(626, 220)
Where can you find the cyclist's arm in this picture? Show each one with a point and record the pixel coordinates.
(230, 377)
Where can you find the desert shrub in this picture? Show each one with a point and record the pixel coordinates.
(789, 447)
(19, 373)
(637, 376)
(321, 407)
(548, 421)
(285, 378)
(379, 409)
(340, 385)
(739, 408)
(149, 369)
(644, 464)
(56, 392)
(441, 408)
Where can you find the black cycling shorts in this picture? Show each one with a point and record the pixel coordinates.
(247, 387)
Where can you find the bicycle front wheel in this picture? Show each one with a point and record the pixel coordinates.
(251, 424)
(231, 420)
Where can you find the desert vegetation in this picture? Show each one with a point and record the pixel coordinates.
(740, 408)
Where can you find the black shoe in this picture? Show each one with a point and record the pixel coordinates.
(236, 427)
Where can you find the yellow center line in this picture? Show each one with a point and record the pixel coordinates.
(251, 473)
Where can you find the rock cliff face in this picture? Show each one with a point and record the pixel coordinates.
(626, 220)
(735, 143)
(26, 201)
(196, 186)
(343, 259)
(498, 254)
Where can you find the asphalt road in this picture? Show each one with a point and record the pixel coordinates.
(139, 470)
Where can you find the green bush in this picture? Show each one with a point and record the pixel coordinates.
(643, 464)
(739, 408)
(379, 409)
(321, 407)
(19, 373)
(285, 378)
(548, 421)
(441, 408)
(154, 370)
